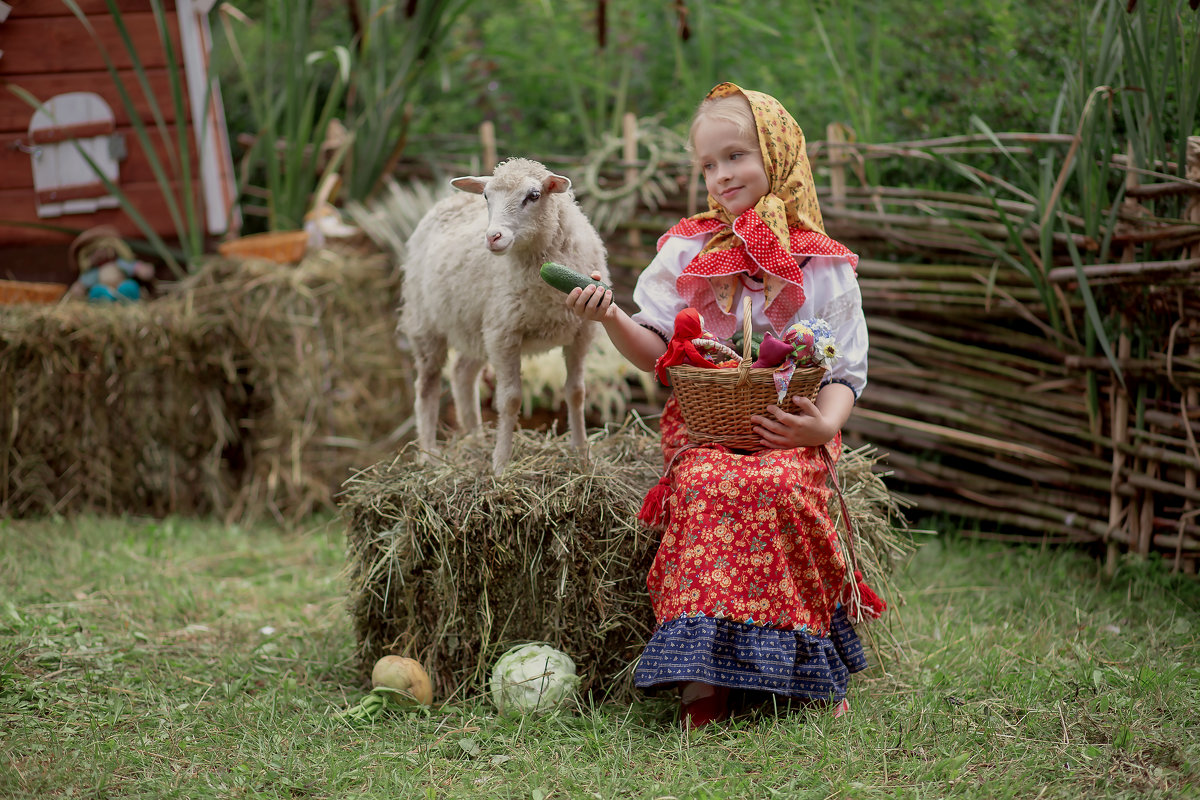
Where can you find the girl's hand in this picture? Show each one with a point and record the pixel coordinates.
(806, 427)
(592, 302)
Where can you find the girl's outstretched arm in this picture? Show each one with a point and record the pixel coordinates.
(640, 346)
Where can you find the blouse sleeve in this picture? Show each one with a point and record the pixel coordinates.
(657, 299)
(837, 299)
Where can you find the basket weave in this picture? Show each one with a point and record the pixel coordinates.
(284, 247)
(14, 292)
(717, 403)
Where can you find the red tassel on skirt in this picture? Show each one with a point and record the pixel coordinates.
(868, 604)
(654, 512)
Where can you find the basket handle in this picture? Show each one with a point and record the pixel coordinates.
(747, 328)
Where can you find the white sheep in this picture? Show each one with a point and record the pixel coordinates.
(472, 283)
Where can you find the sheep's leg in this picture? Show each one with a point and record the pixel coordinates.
(464, 385)
(574, 391)
(430, 355)
(507, 365)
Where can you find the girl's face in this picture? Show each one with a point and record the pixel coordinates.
(732, 165)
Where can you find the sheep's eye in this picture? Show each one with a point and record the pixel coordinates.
(533, 196)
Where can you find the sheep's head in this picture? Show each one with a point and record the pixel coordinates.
(516, 194)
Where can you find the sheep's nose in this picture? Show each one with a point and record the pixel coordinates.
(492, 238)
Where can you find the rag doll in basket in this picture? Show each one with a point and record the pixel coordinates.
(752, 596)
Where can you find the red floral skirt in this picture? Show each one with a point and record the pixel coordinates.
(747, 581)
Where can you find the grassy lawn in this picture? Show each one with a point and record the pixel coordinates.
(177, 658)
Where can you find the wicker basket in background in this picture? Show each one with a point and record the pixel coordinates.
(283, 247)
(14, 292)
(717, 403)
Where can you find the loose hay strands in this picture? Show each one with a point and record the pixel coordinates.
(882, 541)
(451, 565)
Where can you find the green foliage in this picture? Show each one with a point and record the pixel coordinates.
(895, 70)
(541, 72)
(295, 67)
(393, 53)
(284, 93)
(1160, 103)
(1133, 89)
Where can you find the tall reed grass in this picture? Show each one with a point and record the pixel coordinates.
(394, 49)
(1128, 105)
(285, 89)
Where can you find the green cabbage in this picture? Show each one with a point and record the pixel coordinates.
(531, 678)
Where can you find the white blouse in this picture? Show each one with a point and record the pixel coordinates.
(830, 292)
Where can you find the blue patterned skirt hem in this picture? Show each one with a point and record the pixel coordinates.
(739, 655)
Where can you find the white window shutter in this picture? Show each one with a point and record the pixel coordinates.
(63, 180)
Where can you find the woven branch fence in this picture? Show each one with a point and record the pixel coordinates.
(993, 413)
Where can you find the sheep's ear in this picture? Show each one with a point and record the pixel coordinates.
(556, 183)
(470, 183)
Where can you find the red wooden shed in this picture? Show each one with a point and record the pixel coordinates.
(44, 181)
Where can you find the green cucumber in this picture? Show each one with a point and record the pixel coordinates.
(565, 279)
(755, 341)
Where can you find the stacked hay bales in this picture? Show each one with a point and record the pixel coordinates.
(249, 389)
(322, 383)
(451, 565)
(113, 409)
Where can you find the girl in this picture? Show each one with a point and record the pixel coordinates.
(748, 580)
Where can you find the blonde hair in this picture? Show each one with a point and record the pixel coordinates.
(734, 108)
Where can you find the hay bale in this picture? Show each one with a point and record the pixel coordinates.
(882, 541)
(326, 387)
(118, 409)
(451, 565)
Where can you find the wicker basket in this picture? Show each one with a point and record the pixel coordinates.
(284, 247)
(717, 403)
(14, 292)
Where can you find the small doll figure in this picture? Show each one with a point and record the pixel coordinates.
(107, 270)
(115, 281)
(692, 346)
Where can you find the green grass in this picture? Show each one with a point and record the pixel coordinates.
(176, 658)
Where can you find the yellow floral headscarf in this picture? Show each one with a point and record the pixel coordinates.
(791, 200)
(762, 239)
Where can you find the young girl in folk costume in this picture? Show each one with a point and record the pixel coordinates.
(748, 585)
